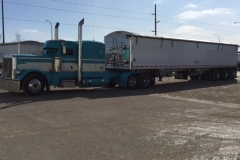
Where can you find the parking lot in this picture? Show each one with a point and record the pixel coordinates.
(175, 119)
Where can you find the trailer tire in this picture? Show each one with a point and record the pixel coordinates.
(232, 74)
(33, 85)
(145, 80)
(224, 74)
(132, 81)
(210, 74)
(216, 75)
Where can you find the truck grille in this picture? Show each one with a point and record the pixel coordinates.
(7, 68)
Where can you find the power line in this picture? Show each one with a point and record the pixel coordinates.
(105, 15)
(27, 20)
(61, 1)
(103, 27)
(99, 7)
(119, 16)
(200, 22)
(76, 11)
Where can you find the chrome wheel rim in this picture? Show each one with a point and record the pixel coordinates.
(34, 85)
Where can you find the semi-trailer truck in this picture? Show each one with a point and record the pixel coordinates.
(126, 59)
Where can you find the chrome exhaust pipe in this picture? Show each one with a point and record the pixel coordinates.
(56, 31)
(80, 51)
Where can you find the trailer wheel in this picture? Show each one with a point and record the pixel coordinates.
(216, 75)
(232, 73)
(145, 80)
(224, 74)
(210, 74)
(33, 85)
(132, 81)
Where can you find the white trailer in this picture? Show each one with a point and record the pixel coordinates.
(23, 47)
(185, 57)
(238, 61)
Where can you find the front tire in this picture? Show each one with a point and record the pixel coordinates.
(33, 85)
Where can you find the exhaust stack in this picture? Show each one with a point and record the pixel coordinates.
(56, 31)
(80, 51)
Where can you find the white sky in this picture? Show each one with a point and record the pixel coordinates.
(191, 19)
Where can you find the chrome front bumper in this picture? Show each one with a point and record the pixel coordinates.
(10, 85)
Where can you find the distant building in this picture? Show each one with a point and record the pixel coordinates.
(23, 47)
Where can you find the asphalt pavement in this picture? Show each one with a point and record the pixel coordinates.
(175, 119)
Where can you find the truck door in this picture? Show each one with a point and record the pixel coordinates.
(68, 62)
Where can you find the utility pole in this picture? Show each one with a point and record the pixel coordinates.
(3, 24)
(155, 22)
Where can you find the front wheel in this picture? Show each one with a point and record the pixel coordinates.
(33, 85)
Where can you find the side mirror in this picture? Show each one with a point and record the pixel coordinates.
(64, 51)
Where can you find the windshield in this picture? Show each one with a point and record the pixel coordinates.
(50, 50)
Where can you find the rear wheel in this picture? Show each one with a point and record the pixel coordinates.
(145, 80)
(132, 82)
(224, 74)
(33, 85)
(216, 75)
(210, 74)
(232, 73)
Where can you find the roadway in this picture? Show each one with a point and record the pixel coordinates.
(172, 120)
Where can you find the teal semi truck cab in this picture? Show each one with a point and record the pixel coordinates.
(62, 64)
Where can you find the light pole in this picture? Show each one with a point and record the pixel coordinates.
(155, 22)
(51, 27)
(218, 37)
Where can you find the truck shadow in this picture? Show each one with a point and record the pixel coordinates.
(15, 99)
